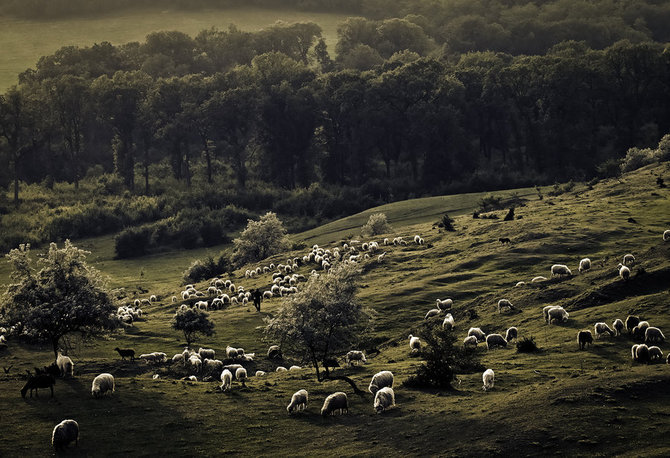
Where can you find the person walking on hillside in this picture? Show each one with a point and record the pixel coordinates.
(258, 297)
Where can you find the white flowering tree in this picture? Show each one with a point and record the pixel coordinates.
(260, 239)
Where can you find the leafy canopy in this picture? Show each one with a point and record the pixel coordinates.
(58, 295)
(260, 239)
(192, 322)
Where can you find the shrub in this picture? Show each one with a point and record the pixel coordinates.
(489, 203)
(609, 169)
(260, 239)
(663, 150)
(377, 224)
(526, 345)
(201, 270)
(447, 223)
(132, 242)
(636, 158)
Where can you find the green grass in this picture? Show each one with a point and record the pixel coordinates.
(560, 400)
(23, 42)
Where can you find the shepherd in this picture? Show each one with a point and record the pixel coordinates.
(258, 297)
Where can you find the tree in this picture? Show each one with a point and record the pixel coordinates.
(192, 322)
(322, 319)
(65, 296)
(377, 224)
(260, 239)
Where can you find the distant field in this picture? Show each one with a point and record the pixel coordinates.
(23, 42)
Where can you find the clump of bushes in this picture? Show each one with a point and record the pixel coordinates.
(201, 270)
(446, 223)
(636, 158)
(559, 189)
(526, 345)
(260, 239)
(377, 224)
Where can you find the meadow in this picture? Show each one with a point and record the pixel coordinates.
(23, 42)
(559, 400)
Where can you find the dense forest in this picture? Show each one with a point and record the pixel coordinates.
(456, 96)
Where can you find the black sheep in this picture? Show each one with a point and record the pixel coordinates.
(126, 352)
(38, 381)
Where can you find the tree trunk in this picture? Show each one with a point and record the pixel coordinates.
(54, 343)
(346, 379)
(16, 182)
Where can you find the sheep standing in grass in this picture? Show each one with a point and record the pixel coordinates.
(639, 331)
(631, 322)
(226, 380)
(655, 353)
(384, 399)
(380, 380)
(125, 353)
(65, 365)
(504, 304)
(488, 377)
(618, 327)
(511, 334)
(336, 402)
(584, 338)
(206, 353)
(355, 356)
(65, 432)
(241, 375)
(448, 322)
(560, 270)
(538, 278)
(495, 340)
(444, 304)
(666, 235)
(431, 313)
(470, 341)
(652, 334)
(414, 344)
(520, 283)
(628, 260)
(298, 401)
(477, 333)
(641, 353)
(624, 272)
(584, 265)
(196, 363)
(102, 384)
(602, 328)
(557, 314)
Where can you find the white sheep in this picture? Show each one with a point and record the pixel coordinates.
(281, 369)
(212, 365)
(444, 304)
(241, 375)
(470, 341)
(153, 298)
(478, 333)
(557, 313)
(102, 384)
(602, 328)
(259, 373)
(226, 380)
(584, 265)
(65, 432)
(355, 356)
(267, 294)
(414, 344)
(448, 322)
(624, 272)
(504, 304)
(298, 401)
(231, 352)
(560, 269)
(641, 353)
(195, 362)
(380, 380)
(384, 399)
(206, 353)
(488, 377)
(336, 402)
(495, 340)
(294, 368)
(618, 327)
(520, 283)
(65, 365)
(185, 295)
(653, 334)
(511, 334)
(655, 353)
(628, 260)
(666, 235)
(431, 313)
(538, 278)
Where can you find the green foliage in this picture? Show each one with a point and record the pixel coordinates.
(610, 168)
(377, 224)
(442, 359)
(526, 345)
(636, 158)
(260, 239)
(201, 270)
(559, 189)
(132, 242)
(57, 296)
(490, 203)
(446, 223)
(193, 322)
(663, 150)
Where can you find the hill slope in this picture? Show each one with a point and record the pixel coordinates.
(558, 400)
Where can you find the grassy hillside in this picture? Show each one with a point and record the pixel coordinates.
(557, 400)
(23, 42)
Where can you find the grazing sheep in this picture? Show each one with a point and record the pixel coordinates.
(417, 239)
(185, 295)
(653, 334)
(384, 399)
(667, 359)
(638, 332)
(281, 369)
(259, 373)
(431, 313)
(666, 237)
(212, 365)
(298, 401)
(178, 358)
(470, 341)
(631, 322)
(206, 353)
(241, 375)
(226, 380)
(65, 432)
(618, 327)
(560, 270)
(628, 260)
(557, 313)
(642, 354)
(624, 272)
(520, 283)
(478, 333)
(195, 362)
(267, 294)
(65, 365)
(126, 352)
(538, 278)
(583, 338)
(380, 380)
(655, 353)
(504, 240)
(231, 352)
(511, 334)
(504, 304)
(488, 377)
(38, 381)
(153, 298)
(414, 344)
(355, 355)
(602, 328)
(336, 402)
(444, 304)
(448, 322)
(294, 368)
(584, 265)
(495, 340)
(102, 384)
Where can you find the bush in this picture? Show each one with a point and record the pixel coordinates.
(609, 169)
(663, 150)
(636, 158)
(447, 223)
(132, 242)
(377, 224)
(260, 239)
(526, 345)
(201, 270)
(489, 203)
